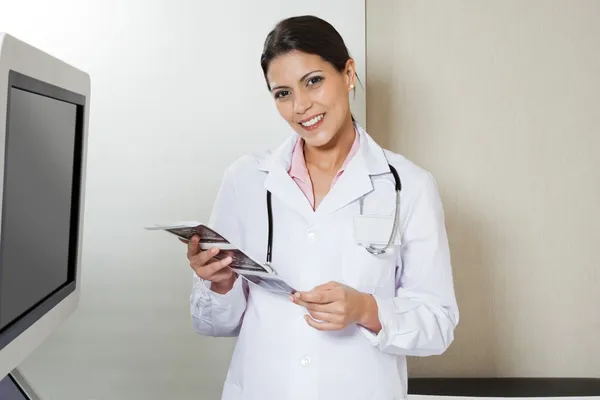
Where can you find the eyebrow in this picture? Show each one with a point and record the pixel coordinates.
(299, 80)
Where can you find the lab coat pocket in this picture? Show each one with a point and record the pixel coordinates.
(365, 271)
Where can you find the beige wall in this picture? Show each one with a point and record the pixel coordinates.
(501, 101)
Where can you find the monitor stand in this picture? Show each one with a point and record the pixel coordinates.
(15, 387)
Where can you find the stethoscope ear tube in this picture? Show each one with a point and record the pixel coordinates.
(396, 179)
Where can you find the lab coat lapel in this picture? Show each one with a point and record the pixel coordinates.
(355, 181)
(280, 183)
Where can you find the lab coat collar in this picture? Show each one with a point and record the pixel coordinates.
(355, 182)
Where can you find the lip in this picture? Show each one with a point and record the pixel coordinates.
(315, 126)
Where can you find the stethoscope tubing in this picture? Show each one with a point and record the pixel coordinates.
(370, 248)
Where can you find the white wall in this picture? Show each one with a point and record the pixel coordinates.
(500, 99)
(177, 94)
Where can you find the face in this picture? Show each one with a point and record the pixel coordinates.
(312, 96)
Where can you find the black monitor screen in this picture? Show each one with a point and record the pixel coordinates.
(9, 390)
(40, 201)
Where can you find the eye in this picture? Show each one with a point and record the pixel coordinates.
(314, 80)
(282, 93)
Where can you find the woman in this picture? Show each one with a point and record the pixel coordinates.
(357, 315)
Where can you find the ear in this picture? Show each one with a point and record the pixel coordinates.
(350, 74)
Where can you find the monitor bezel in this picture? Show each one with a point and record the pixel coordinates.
(19, 383)
(27, 83)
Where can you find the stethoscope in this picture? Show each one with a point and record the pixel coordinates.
(370, 248)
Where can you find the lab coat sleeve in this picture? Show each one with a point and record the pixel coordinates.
(421, 318)
(215, 314)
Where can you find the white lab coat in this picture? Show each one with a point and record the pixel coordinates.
(277, 354)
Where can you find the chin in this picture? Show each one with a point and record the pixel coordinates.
(319, 138)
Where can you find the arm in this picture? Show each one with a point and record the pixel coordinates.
(214, 311)
(421, 318)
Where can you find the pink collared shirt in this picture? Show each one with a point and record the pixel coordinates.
(299, 172)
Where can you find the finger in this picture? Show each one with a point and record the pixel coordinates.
(332, 308)
(204, 257)
(203, 268)
(193, 246)
(326, 317)
(317, 296)
(322, 326)
(208, 271)
(216, 266)
(222, 275)
(327, 286)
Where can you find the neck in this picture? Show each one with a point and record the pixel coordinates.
(330, 158)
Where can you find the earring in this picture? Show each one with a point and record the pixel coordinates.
(351, 86)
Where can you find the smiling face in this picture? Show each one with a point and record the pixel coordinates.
(312, 96)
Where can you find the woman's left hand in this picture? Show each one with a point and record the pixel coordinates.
(336, 306)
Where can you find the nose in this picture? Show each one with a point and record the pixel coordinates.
(302, 102)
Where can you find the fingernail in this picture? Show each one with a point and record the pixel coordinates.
(214, 250)
(297, 295)
(291, 298)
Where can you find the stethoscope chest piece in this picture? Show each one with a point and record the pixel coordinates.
(375, 251)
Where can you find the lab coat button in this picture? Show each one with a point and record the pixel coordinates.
(305, 361)
(312, 236)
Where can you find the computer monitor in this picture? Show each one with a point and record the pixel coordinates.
(15, 387)
(44, 110)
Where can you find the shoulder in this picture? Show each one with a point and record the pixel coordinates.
(421, 201)
(245, 164)
(255, 165)
(414, 177)
(248, 164)
(248, 170)
(419, 191)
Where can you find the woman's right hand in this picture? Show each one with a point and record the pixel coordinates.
(218, 272)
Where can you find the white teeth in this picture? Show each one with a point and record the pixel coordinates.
(312, 121)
